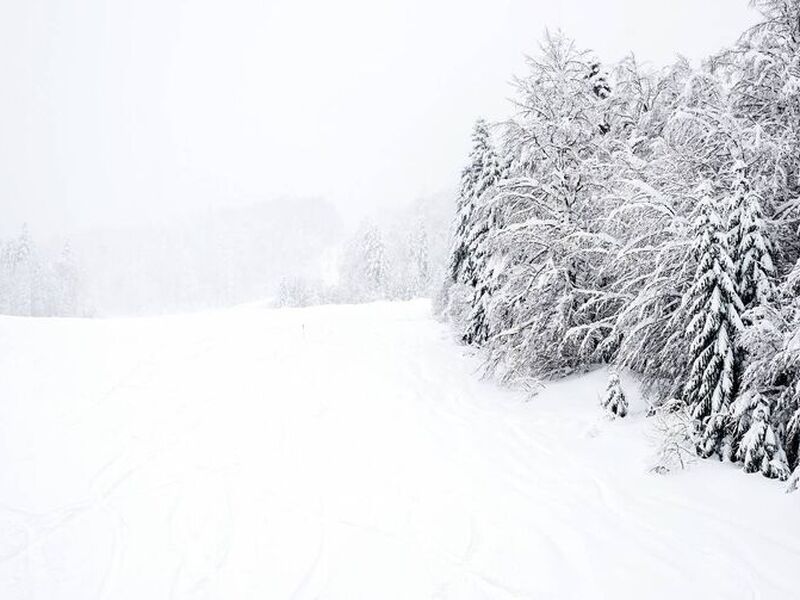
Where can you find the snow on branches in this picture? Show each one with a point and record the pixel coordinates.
(648, 219)
(614, 400)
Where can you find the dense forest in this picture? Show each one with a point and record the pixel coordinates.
(649, 220)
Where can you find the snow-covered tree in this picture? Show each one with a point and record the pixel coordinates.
(712, 311)
(472, 185)
(478, 329)
(675, 437)
(750, 248)
(760, 449)
(484, 169)
(550, 306)
(614, 400)
(772, 341)
(648, 209)
(474, 220)
(486, 262)
(758, 413)
(599, 81)
(763, 69)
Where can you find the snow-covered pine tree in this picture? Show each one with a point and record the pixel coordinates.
(778, 369)
(751, 250)
(478, 326)
(485, 259)
(712, 308)
(772, 343)
(760, 449)
(753, 439)
(599, 81)
(763, 394)
(602, 90)
(469, 254)
(614, 400)
(469, 191)
(490, 173)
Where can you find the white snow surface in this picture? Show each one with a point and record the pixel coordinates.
(348, 452)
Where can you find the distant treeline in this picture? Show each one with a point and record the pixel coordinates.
(397, 259)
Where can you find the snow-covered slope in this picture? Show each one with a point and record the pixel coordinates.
(345, 453)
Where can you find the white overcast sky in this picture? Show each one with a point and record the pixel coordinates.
(114, 111)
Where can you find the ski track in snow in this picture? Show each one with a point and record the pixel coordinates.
(345, 453)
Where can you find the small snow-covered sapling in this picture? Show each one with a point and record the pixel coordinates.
(614, 400)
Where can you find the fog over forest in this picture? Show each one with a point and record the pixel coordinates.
(296, 252)
(191, 155)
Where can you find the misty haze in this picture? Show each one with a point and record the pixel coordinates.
(399, 299)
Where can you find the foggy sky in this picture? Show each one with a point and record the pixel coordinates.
(118, 111)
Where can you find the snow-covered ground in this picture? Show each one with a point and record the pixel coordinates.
(346, 453)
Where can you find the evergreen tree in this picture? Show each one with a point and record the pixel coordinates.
(486, 261)
(760, 449)
(759, 413)
(599, 82)
(602, 90)
(614, 400)
(478, 326)
(750, 248)
(713, 309)
(781, 376)
(481, 173)
(753, 438)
